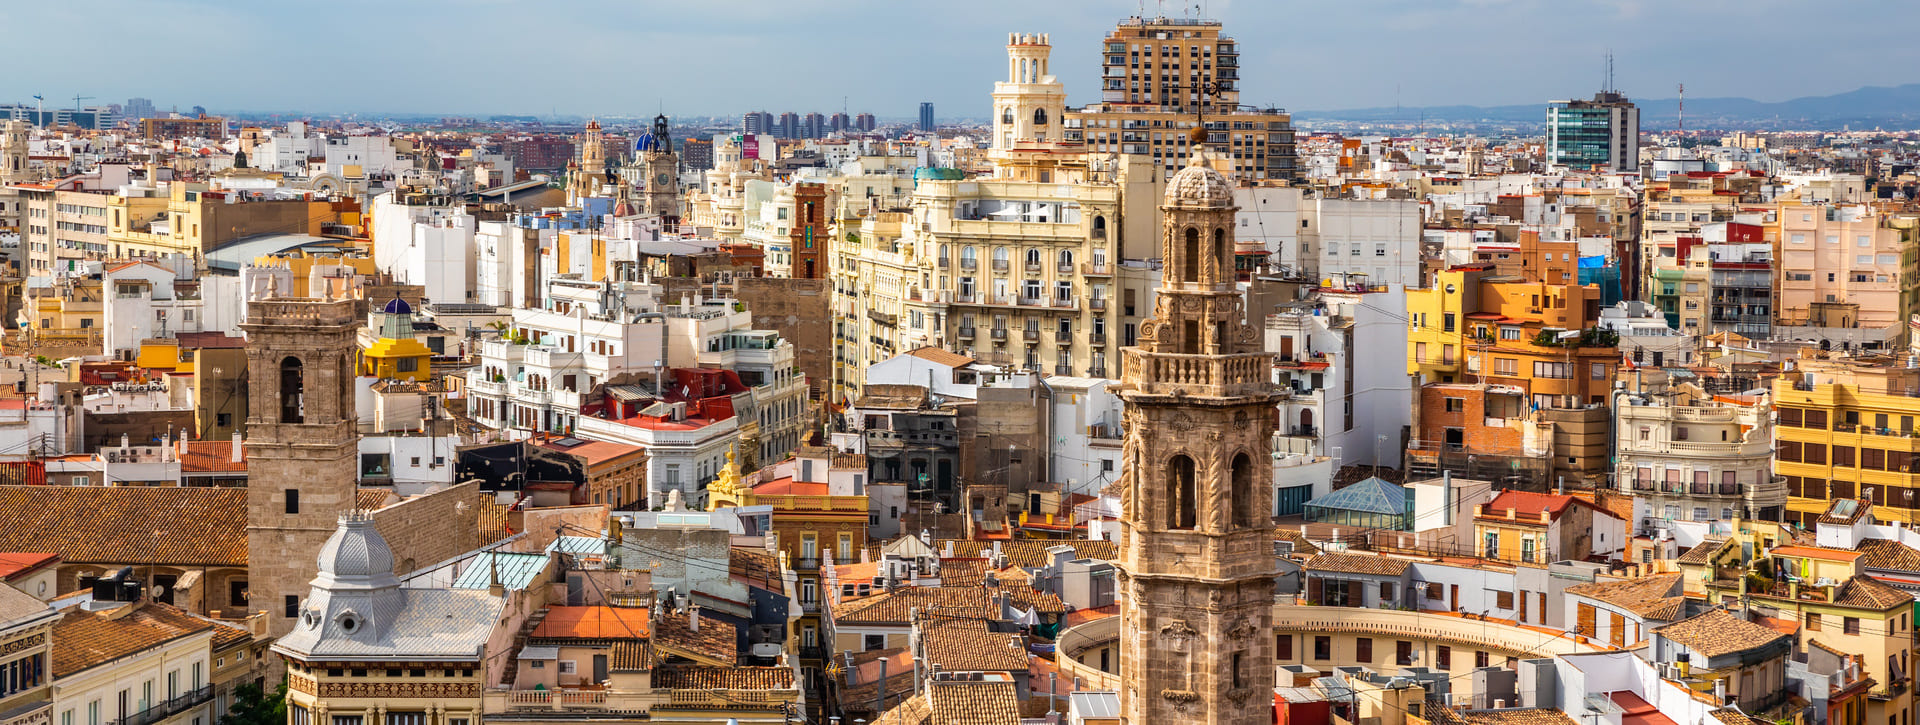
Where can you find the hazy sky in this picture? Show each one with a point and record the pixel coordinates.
(627, 57)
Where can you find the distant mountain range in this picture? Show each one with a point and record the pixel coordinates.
(1871, 106)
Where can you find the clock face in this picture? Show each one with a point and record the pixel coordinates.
(661, 179)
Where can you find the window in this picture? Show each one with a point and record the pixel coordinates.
(1283, 646)
(1506, 366)
(1363, 649)
(1386, 592)
(1850, 625)
(1442, 656)
(291, 606)
(567, 667)
(1435, 592)
(1455, 405)
(1322, 648)
(1509, 333)
(1479, 659)
(1504, 600)
(1813, 622)
(293, 501)
(873, 642)
(1556, 370)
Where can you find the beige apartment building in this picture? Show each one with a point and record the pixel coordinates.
(1153, 74)
(1844, 265)
(61, 228)
(1027, 268)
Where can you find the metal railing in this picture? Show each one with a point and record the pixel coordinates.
(168, 708)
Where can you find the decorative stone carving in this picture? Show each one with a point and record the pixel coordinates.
(1178, 629)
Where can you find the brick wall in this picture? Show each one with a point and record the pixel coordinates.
(426, 530)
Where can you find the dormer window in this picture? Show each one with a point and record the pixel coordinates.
(349, 621)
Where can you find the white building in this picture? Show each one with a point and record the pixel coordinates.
(1379, 238)
(1340, 360)
(425, 241)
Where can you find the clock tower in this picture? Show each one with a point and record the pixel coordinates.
(661, 167)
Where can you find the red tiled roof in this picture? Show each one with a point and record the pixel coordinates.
(15, 564)
(212, 457)
(786, 486)
(593, 623)
(1529, 505)
(594, 452)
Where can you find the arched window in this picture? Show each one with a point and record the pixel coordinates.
(292, 390)
(1190, 265)
(1244, 512)
(1181, 498)
(966, 254)
(1039, 117)
(1006, 116)
(1033, 258)
(1066, 260)
(1222, 252)
(1099, 227)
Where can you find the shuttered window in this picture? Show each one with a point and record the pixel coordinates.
(1585, 623)
(1363, 649)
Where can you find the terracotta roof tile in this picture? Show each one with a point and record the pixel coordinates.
(1868, 593)
(1718, 633)
(967, 645)
(212, 457)
(14, 564)
(127, 524)
(1888, 554)
(941, 356)
(631, 655)
(1301, 546)
(1703, 552)
(714, 642)
(974, 703)
(755, 565)
(82, 639)
(1029, 553)
(896, 606)
(1656, 597)
(693, 677)
(1357, 564)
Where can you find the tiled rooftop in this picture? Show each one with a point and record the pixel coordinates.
(1654, 597)
(127, 524)
(82, 640)
(1357, 564)
(1718, 633)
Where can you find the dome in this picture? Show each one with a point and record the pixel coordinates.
(398, 307)
(356, 551)
(1200, 185)
(647, 142)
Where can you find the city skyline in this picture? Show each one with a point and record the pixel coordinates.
(1379, 60)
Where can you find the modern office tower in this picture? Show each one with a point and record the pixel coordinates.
(926, 117)
(1603, 133)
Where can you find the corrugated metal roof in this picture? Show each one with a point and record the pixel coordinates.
(1095, 704)
(517, 571)
(577, 545)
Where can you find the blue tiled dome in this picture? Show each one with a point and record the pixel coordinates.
(398, 307)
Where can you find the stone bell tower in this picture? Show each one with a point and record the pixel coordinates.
(661, 167)
(1196, 564)
(302, 444)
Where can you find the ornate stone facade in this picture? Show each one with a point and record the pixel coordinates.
(302, 444)
(1197, 562)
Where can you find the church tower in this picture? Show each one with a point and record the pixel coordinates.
(661, 169)
(302, 444)
(1196, 564)
(1029, 107)
(592, 169)
(13, 154)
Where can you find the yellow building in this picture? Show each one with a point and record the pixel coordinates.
(396, 354)
(1846, 430)
(189, 218)
(1474, 326)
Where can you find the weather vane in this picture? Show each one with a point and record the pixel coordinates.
(1207, 89)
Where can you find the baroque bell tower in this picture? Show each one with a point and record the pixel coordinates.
(302, 444)
(661, 169)
(1196, 565)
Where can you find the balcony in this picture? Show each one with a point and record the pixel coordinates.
(1097, 338)
(1097, 304)
(1098, 371)
(1066, 268)
(1026, 301)
(941, 262)
(1063, 337)
(969, 263)
(999, 333)
(999, 265)
(1033, 266)
(1209, 375)
(965, 333)
(1060, 303)
(1031, 335)
(169, 708)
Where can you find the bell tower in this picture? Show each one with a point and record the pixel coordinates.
(591, 169)
(302, 444)
(13, 153)
(1030, 106)
(1196, 564)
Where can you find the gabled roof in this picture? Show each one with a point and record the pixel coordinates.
(967, 645)
(1718, 633)
(715, 644)
(941, 356)
(1655, 597)
(1703, 552)
(83, 640)
(1889, 555)
(159, 525)
(685, 677)
(1357, 564)
(1528, 506)
(895, 607)
(1868, 593)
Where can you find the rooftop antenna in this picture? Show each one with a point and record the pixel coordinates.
(1608, 88)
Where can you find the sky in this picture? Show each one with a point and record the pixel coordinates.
(633, 57)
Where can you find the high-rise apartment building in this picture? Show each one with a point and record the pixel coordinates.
(813, 125)
(864, 122)
(789, 125)
(838, 122)
(926, 117)
(756, 122)
(1156, 75)
(1844, 429)
(1603, 133)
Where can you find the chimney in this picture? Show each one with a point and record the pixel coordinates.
(693, 618)
(239, 449)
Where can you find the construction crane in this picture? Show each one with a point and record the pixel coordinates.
(78, 98)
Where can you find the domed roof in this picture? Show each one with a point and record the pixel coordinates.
(647, 142)
(397, 307)
(1199, 185)
(356, 551)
